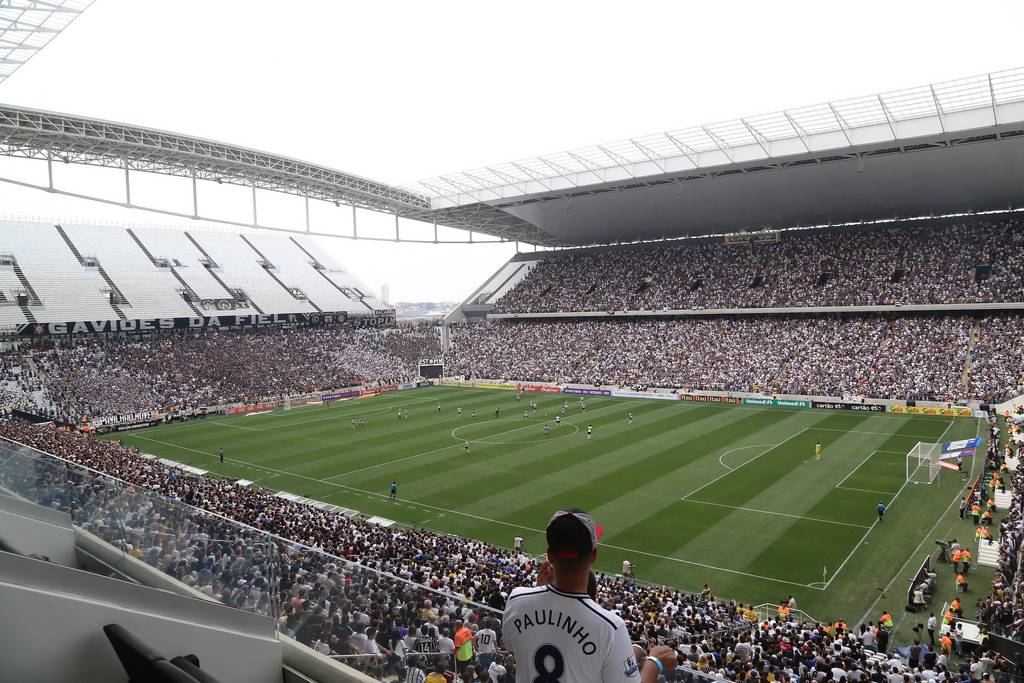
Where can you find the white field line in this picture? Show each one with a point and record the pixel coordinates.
(862, 431)
(854, 471)
(924, 539)
(875, 523)
(725, 474)
(487, 519)
(850, 488)
(721, 460)
(780, 514)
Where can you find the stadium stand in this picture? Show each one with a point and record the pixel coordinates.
(899, 357)
(115, 378)
(64, 287)
(920, 264)
(243, 268)
(150, 292)
(184, 259)
(84, 272)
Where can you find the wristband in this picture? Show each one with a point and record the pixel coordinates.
(661, 667)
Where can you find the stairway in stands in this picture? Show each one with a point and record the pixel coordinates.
(324, 275)
(99, 268)
(211, 268)
(271, 273)
(965, 377)
(177, 276)
(33, 298)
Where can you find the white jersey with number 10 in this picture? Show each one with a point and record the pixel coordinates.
(561, 637)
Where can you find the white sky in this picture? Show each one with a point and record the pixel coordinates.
(399, 91)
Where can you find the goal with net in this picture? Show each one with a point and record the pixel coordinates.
(923, 463)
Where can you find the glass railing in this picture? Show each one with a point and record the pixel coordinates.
(323, 601)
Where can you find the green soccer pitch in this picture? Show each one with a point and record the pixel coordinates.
(692, 493)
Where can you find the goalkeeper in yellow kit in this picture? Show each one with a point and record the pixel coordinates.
(817, 450)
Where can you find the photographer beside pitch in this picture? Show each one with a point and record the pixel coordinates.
(559, 634)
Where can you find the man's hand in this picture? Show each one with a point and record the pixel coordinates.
(649, 671)
(545, 574)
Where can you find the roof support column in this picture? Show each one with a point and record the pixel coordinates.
(355, 224)
(306, 197)
(49, 169)
(127, 185)
(254, 221)
(397, 237)
(195, 195)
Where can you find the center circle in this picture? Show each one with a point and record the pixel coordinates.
(510, 436)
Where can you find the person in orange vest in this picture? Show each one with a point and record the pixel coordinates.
(948, 617)
(961, 583)
(957, 555)
(991, 505)
(965, 558)
(982, 533)
(954, 607)
(986, 518)
(975, 512)
(783, 612)
(840, 628)
(947, 645)
(463, 646)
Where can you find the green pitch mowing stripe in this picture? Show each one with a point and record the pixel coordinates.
(693, 493)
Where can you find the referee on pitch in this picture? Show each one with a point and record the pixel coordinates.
(559, 634)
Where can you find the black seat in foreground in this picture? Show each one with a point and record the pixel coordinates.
(143, 664)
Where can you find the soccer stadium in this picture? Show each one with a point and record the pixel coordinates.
(739, 401)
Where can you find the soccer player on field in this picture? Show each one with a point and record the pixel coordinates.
(459, 411)
(526, 414)
(472, 413)
(880, 508)
(362, 421)
(465, 447)
(496, 413)
(547, 430)
(817, 450)
(590, 432)
(558, 420)
(353, 424)
(393, 491)
(439, 406)
(631, 417)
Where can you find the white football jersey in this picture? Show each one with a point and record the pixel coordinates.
(485, 640)
(561, 637)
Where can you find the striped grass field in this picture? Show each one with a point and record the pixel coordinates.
(692, 493)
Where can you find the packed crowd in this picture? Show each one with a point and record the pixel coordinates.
(904, 357)
(337, 584)
(897, 265)
(130, 376)
(1004, 605)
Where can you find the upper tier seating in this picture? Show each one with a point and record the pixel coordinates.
(151, 292)
(67, 289)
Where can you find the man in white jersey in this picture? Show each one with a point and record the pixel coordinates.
(558, 634)
(486, 639)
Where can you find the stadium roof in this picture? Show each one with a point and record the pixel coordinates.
(942, 148)
(27, 26)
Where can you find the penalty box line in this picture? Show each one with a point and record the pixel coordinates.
(460, 513)
(875, 523)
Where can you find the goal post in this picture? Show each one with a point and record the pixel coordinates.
(923, 463)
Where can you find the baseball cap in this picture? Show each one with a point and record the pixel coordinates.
(573, 533)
